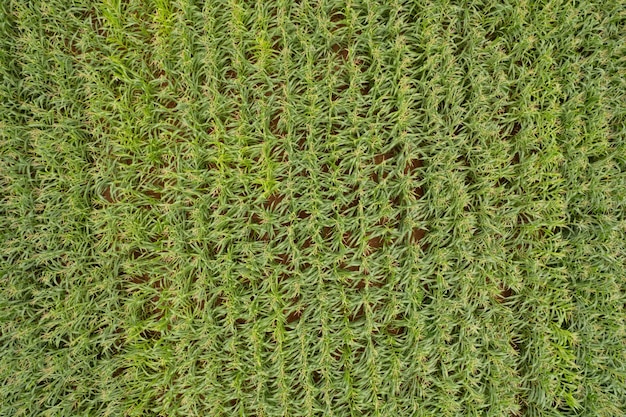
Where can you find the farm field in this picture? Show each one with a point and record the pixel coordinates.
(312, 208)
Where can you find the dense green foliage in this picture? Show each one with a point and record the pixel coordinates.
(299, 208)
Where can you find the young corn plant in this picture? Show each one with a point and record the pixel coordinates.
(312, 208)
